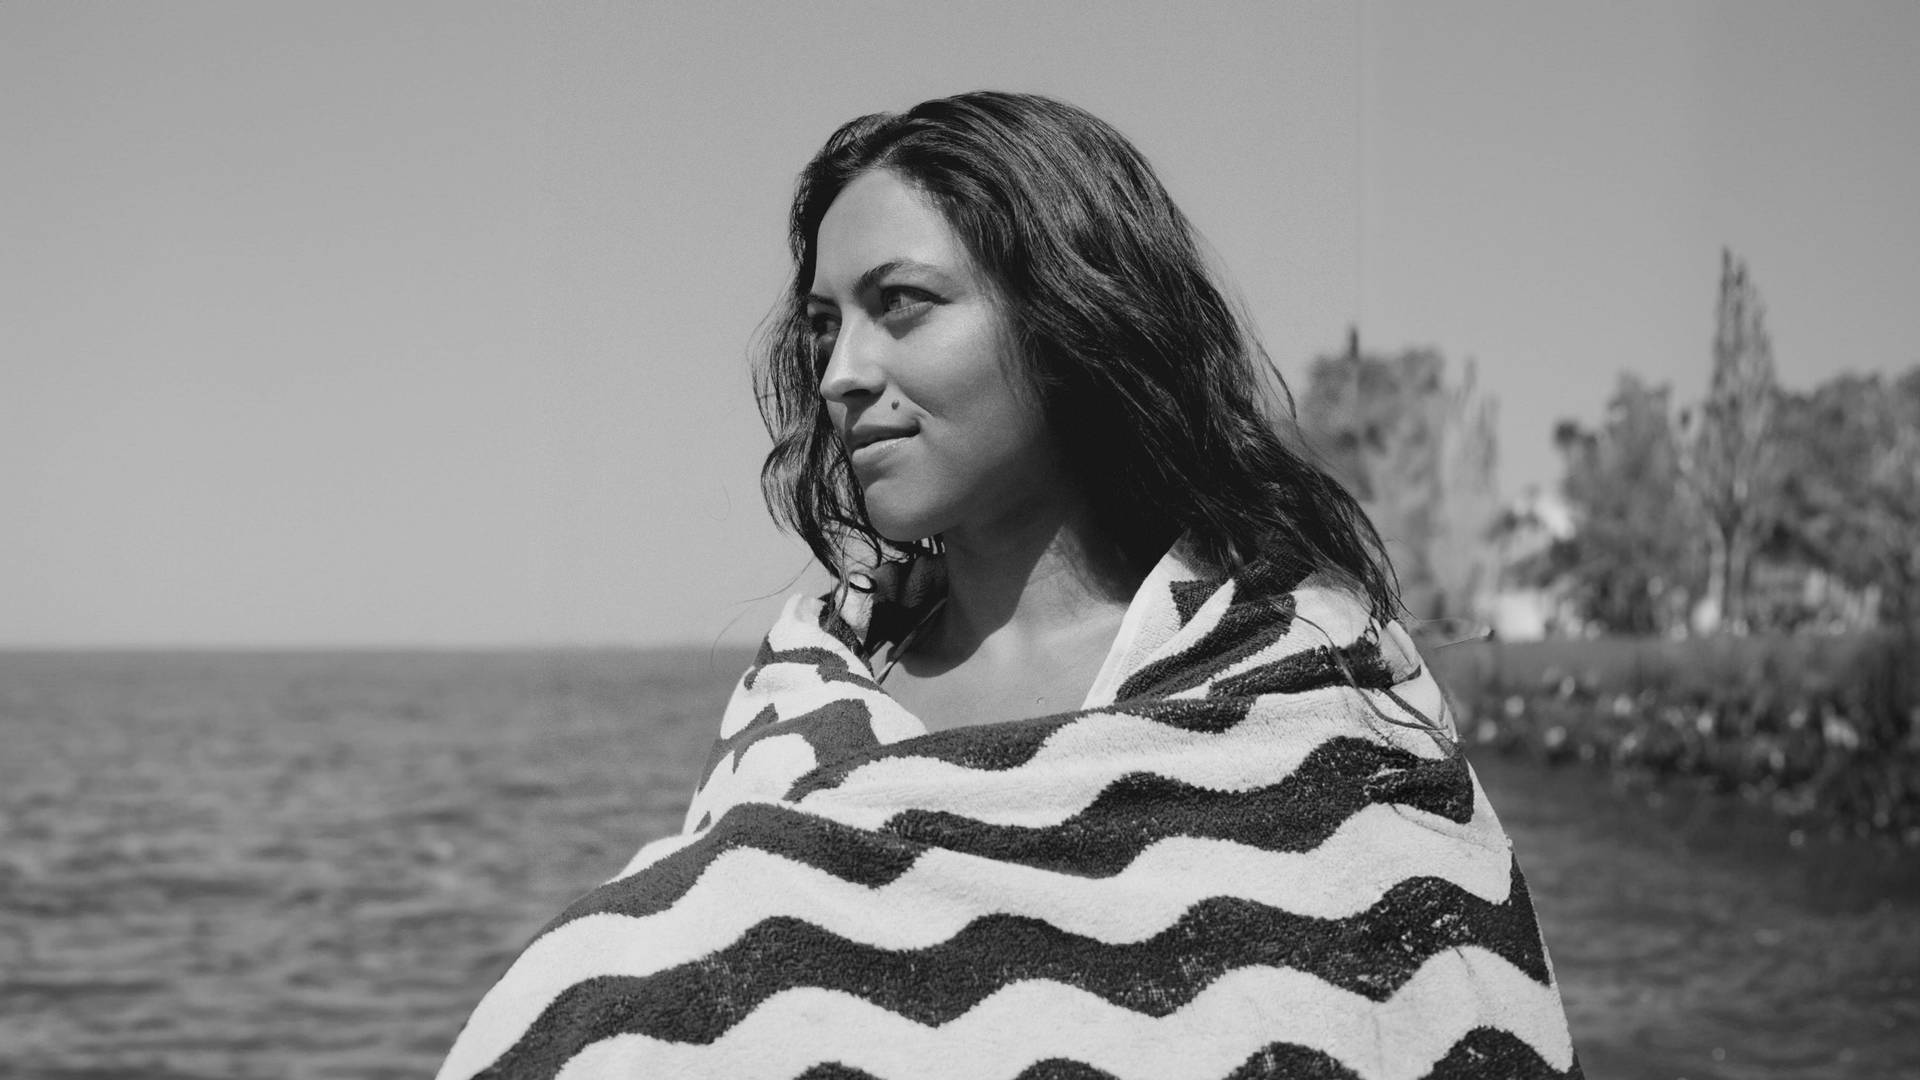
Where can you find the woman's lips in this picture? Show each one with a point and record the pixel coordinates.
(878, 450)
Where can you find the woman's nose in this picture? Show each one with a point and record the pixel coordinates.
(851, 371)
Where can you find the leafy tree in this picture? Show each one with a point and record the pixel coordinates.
(1850, 485)
(1726, 449)
(1417, 448)
(1465, 566)
(1633, 563)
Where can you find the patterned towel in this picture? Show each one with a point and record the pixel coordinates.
(1246, 856)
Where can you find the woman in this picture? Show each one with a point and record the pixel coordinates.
(1104, 757)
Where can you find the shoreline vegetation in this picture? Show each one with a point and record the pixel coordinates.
(1822, 731)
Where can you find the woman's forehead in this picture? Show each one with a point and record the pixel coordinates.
(881, 221)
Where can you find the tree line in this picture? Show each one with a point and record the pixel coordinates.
(1757, 508)
(1753, 509)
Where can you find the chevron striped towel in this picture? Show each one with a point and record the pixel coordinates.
(1232, 862)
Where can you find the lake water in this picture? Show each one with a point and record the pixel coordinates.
(312, 865)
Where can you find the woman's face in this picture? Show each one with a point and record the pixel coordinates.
(918, 372)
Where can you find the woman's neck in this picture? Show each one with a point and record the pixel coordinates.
(1033, 578)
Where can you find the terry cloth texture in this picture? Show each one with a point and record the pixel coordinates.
(1229, 863)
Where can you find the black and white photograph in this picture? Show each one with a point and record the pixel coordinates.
(627, 539)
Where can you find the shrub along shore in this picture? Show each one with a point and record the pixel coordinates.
(1825, 731)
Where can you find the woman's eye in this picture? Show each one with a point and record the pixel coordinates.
(896, 299)
(821, 331)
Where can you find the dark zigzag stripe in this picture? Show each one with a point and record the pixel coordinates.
(1250, 623)
(1259, 581)
(1290, 1061)
(868, 858)
(840, 729)
(1339, 778)
(760, 660)
(1190, 596)
(1311, 669)
(725, 745)
(989, 746)
(1373, 953)
(1008, 746)
(832, 666)
(1278, 1060)
(1492, 1054)
(997, 747)
(1482, 1054)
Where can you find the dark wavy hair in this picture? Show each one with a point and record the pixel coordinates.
(1147, 377)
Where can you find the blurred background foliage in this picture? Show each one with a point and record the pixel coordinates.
(1726, 590)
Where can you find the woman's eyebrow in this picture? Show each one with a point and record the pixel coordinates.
(874, 274)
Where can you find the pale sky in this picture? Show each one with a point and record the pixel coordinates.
(425, 324)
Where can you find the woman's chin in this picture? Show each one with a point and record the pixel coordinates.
(900, 528)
